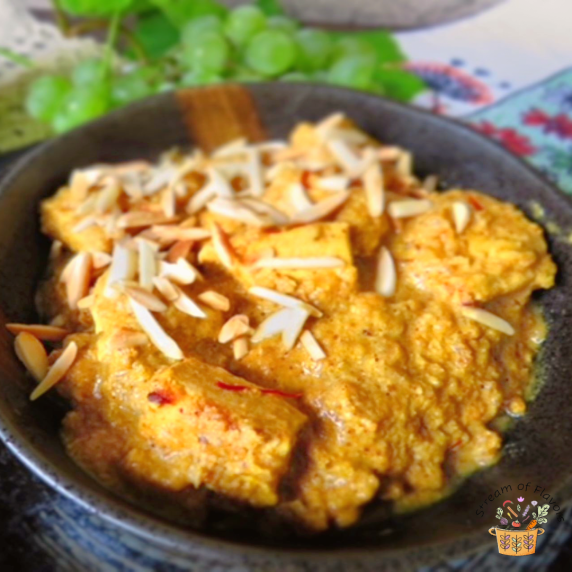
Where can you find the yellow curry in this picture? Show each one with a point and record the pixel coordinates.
(297, 327)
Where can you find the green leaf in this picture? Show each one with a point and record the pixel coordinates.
(100, 8)
(156, 34)
(181, 11)
(270, 7)
(399, 84)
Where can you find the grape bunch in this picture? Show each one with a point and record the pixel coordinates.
(243, 45)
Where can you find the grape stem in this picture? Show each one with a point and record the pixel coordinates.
(62, 20)
(114, 25)
(16, 58)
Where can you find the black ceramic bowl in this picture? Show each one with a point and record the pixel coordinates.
(537, 449)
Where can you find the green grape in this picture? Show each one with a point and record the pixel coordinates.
(271, 53)
(243, 23)
(295, 76)
(45, 96)
(348, 46)
(81, 105)
(283, 23)
(156, 34)
(352, 71)
(95, 7)
(246, 75)
(194, 28)
(314, 49)
(128, 88)
(200, 77)
(209, 52)
(88, 72)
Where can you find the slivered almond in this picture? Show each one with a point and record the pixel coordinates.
(274, 171)
(185, 304)
(284, 300)
(344, 156)
(86, 302)
(288, 154)
(487, 319)
(261, 207)
(124, 338)
(166, 288)
(239, 348)
(180, 249)
(349, 135)
(254, 171)
(235, 210)
(404, 164)
(79, 185)
(299, 198)
(77, 282)
(123, 267)
(215, 300)
(430, 183)
(147, 264)
(136, 219)
(389, 153)
(326, 125)
(58, 370)
(408, 208)
(374, 190)
(168, 202)
(32, 354)
(321, 210)
(159, 338)
(461, 215)
(312, 346)
(160, 178)
(87, 206)
(273, 325)
(174, 233)
(100, 260)
(290, 335)
(237, 326)
(386, 276)
(234, 147)
(136, 166)
(181, 272)
(220, 184)
(84, 224)
(222, 246)
(335, 183)
(272, 145)
(40, 331)
(145, 298)
(200, 199)
(300, 263)
(107, 197)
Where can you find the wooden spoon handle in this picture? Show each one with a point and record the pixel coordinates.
(218, 114)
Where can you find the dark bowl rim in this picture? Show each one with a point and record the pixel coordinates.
(134, 519)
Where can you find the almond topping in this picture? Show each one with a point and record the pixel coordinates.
(124, 338)
(461, 215)
(234, 147)
(57, 371)
(77, 282)
(84, 224)
(312, 346)
(260, 207)
(136, 219)
(40, 331)
(145, 298)
(222, 246)
(159, 338)
(322, 209)
(86, 302)
(335, 183)
(374, 190)
(344, 156)
(32, 354)
(100, 260)
(299, 198)
(181, 272)
(239, 348)
(79, 185)
(408, 208)
(284, 300)
(147, 264)
(404, 165)
(389, 153)
(215, 300)
(487, 319)
(107, 197)
(273, 325)
(237, 326)
(181, 249)
(199, 200)
(235, 210)
(290, 334)
(174, 233)
(123, 267)
(166, 288)
(386, 276)
(184, 304)
(168, 203)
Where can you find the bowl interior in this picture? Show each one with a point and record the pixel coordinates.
(536, 450)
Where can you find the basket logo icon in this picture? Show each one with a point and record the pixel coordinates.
(518, 529)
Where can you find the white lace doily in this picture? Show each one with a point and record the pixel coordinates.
(43, 43)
